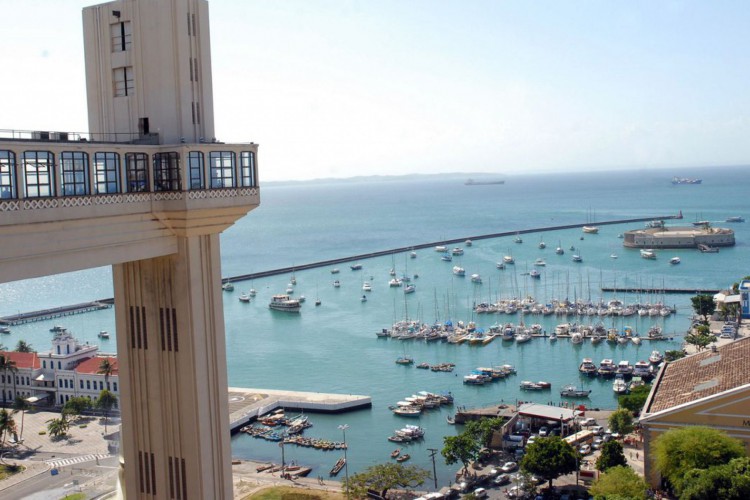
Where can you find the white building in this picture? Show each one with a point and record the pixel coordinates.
(69, 369)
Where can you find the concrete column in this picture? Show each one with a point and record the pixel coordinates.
(173, 379)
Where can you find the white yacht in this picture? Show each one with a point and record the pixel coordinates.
(285, 303)
(647, 253)
(459, 271)
(540, 262)
(366, 286)
(674, 260)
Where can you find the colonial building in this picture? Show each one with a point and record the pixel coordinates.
(710, 389)
(69, 369)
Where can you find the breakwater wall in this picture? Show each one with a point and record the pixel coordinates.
(692, 291)
(380, 253)
(56, 312)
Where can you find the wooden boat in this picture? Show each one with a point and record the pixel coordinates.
(264, 467)
(338, 466)
(403, 458)
(395, 452)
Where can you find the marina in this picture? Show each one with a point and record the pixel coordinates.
(333, 349)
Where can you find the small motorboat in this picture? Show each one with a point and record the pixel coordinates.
(395, 452)
(403, 458)
(245, 297)
(103, 334)
(674, 260)
(227, 287)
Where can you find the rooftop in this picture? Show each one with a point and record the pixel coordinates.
(22, 359)
(91, 365)
(701, 375)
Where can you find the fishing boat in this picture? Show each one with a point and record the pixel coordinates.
(403, 458)
(619, 386)
(540, 262)
(571, 391)
(284, 303)
(408, 411)
(656, 357)
(647, 253)
(534, 386)
(395, 452)
(735, 218)
(103, 334)
(590, 229)
(340, 463)
(404, 360)
(410, 288)
(227, 287)
(244, 297)
(459, 271)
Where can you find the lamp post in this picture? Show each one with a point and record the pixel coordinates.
(433, 451)
(343, 428)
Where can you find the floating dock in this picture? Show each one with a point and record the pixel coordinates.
(246, 405)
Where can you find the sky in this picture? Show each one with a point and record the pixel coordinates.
(390, 87)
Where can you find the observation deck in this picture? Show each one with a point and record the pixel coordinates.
(69, 202)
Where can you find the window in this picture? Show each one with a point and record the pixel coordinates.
(74, 168)
(88, 384)
(7, 174)
(38, 171)
(167, 172)
(195, 170)
(122, 79)
(81, 384)
(247, 168)
(59, 365)
(114, 386)
(107, 171)
(121, 34)
(222, 168)
(44, 365)
(136, 172)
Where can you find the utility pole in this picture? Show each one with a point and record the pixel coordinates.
(433, 451)
(343, 428)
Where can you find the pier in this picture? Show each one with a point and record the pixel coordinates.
(246, 405)
(56, 312)
(380, 253)
(692, 291)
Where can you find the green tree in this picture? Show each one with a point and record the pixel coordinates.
(58, 426)
(76, 406)
(611, 456)
(673, 355)
(727, 482)
(7, 425)
(549, 458)
(619, 482)
(23, 346)
(20, 404)
(703, 305)
(384, 477)
(636, 399)
(482, 430)
(678, 451)
(7, 365)
(699, 340)
(621, 421)
(462, 448)
(106, 401)
(106, 368)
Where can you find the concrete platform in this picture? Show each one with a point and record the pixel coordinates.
(247, 404)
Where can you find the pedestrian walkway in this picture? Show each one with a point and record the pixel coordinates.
(62, 462)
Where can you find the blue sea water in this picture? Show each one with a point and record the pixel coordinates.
(333, 347)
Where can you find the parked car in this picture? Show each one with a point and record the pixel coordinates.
(597, 430)
(585, 449)
(588, 422)
(480, 493)
(531, 440)
(543, 431)
(598, 442)
(502, 479)
(508, 467)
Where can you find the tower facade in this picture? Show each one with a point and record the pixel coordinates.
(148, 191)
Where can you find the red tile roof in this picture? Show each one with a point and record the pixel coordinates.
(702, 375)
(91, 365)
(22, 359)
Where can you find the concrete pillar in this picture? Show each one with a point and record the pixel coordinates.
(173, 380)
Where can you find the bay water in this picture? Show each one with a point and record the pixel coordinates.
(333, 347)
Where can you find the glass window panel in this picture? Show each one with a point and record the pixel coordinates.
(222, 168)
(74, 168)
(195, 170)
(107, 172)
(37, 168)
(167, 172)
(136, 172)
(7, 174)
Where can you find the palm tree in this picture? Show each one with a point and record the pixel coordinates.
(7, 425)
(20, 404)
(24, 346)
(106, 401)
(106, 368)
(6, 365)
(58, 426)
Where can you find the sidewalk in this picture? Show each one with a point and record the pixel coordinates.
(33, 468)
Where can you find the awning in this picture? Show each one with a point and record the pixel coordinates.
(36, 399)
(40, 378)
(547, 412)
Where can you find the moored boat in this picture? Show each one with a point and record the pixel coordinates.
(284, 303)
(571, 391)
(647, 253)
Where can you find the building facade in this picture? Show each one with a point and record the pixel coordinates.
(678, 237)
(50, 379)
(709, 389)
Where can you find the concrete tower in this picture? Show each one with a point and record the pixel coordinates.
(147, 191)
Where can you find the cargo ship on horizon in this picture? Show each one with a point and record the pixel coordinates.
(473, 182)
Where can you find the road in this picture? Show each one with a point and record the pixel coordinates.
(92, 477)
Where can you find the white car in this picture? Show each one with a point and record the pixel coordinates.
(588, 422)
(480, 493)
(598, 430)
(531, 440)
(543, 431)
(508, 467)
(585, 449)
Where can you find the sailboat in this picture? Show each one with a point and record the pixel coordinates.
(559, 250)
